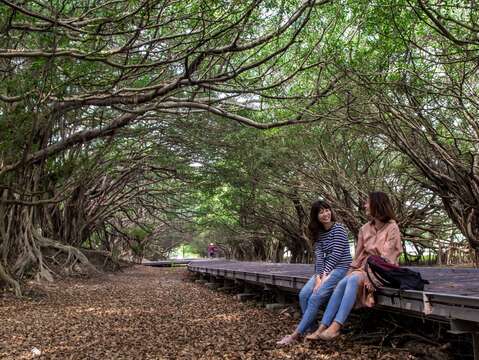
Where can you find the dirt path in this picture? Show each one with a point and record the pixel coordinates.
(150, 313)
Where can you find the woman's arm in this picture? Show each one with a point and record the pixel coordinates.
(340, 243)
(319, 261)
(359, 249)
(392, 247)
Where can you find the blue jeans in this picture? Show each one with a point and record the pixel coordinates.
(311, 301)
(342, 301)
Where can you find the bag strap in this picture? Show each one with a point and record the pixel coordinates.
(367, 268)
(369, 277)
(381, 279)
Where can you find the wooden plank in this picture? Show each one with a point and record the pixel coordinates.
(168, 263)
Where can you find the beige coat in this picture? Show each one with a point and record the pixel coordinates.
(386, 243)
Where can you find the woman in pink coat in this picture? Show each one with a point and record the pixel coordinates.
(380, 236)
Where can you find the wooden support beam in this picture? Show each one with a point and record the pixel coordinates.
(212, 285)
(226, 288)
(276, 306)
(245, 296)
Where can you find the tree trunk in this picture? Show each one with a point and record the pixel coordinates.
(467, 220)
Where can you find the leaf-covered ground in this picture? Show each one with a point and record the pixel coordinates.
(152, 313)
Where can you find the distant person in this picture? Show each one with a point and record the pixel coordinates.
(380, 236)
(211, 250)
(332, 260)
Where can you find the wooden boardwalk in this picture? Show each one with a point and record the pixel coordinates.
(451, 297)
(170, 263)
(453, 281)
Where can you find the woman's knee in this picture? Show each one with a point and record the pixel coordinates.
(320, 296)
(354, 278)
(353, 283)
(304, 293)
(343, 282)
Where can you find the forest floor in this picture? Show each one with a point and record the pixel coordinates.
(154, 313)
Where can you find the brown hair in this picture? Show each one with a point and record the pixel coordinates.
(315, 226)
(380, 207)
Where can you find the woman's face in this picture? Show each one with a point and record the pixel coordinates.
(366, 207)
(324, 216)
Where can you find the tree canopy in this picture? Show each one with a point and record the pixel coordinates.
(139, 125)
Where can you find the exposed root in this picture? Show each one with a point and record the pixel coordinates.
(74, 254)
(15, 285)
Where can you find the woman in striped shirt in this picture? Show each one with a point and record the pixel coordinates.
(331, 250)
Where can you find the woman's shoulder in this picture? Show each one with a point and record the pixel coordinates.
(340, 227)
(393, 225)
(390, 224)
(366, 226)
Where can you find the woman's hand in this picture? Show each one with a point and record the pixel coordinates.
(317, 285)
(325, 278)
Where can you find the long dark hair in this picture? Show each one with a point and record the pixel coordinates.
(315, 227)
(380, 207)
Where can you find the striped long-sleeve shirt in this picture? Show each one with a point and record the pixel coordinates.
(332, 250)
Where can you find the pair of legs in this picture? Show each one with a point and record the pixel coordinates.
(339, 307)
(311, 300)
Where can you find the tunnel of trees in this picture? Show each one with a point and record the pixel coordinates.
(129, 127)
